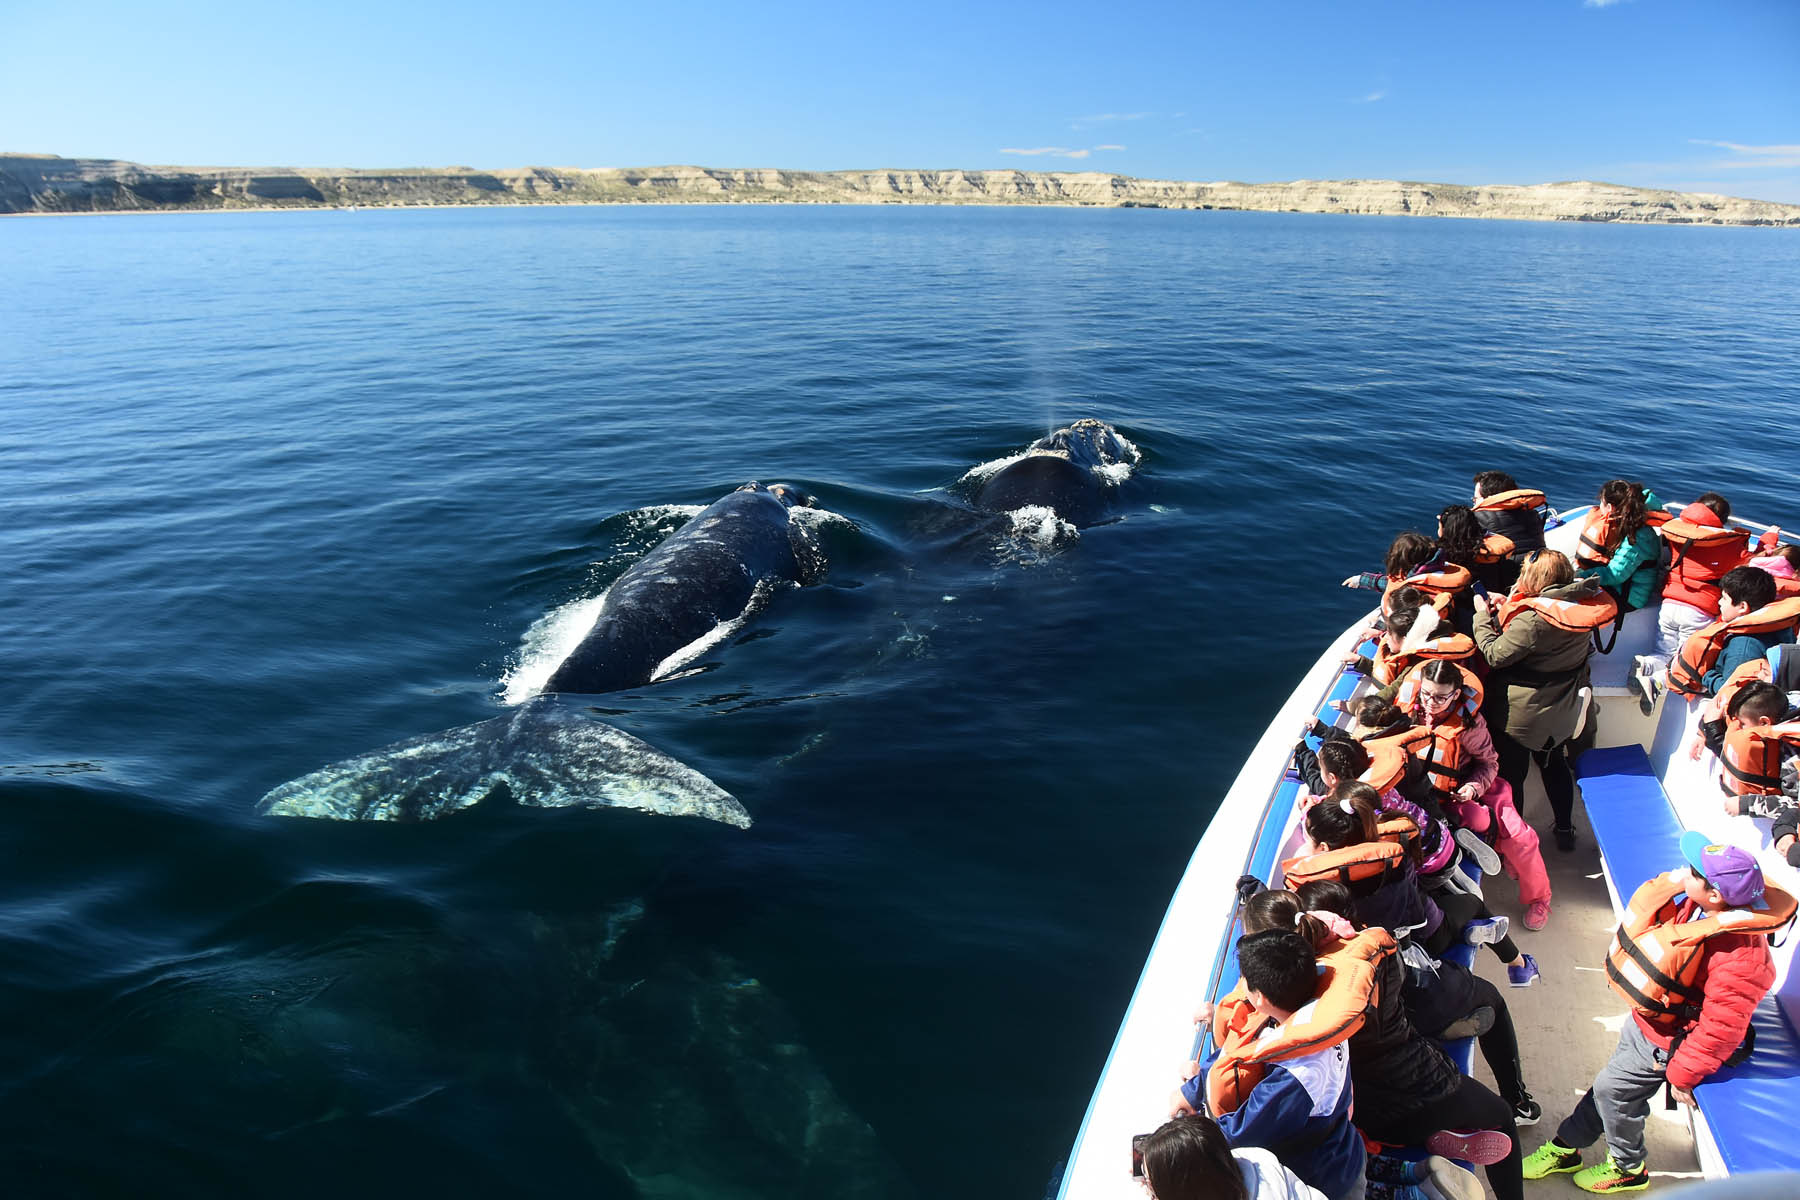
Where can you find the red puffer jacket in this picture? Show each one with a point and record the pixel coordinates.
(1735, 975)
(1694, 577)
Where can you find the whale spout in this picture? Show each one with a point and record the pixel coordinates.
(545, 755)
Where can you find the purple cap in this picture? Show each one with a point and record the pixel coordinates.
(1733, 871)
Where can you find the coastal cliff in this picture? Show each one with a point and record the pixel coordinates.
(48, 184)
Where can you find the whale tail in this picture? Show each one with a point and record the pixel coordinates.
(545, 755)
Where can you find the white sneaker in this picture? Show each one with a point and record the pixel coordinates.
(1480, 851)
(1444, 1180)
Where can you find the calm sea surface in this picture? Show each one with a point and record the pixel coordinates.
(282, 488)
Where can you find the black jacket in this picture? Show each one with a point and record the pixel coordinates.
(1394, 1068)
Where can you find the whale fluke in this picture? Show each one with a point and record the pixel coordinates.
(544, 754)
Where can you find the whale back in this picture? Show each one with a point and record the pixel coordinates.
(704, 574)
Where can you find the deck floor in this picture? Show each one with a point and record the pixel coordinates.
(1568, 1022)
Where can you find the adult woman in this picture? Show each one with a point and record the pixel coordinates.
(1537, 642)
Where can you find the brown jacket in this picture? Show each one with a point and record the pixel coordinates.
(1538, 670)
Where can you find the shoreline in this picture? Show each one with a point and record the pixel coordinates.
(44, 186)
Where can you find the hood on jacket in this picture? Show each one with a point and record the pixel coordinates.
(1267, 1179)
(1699, 514)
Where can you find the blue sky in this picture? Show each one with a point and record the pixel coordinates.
(1699, 95)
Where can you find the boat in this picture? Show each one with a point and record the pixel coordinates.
(1568, 1023)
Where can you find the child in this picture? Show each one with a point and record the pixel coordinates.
(1619, 546)
(1188, 1158)
(1344, 844)
(1413, 560)
(1783, 563)
(1298, 1106)
(1702, 549)
(1445, 699)
(1751, 622)
(1515, 513)
(1407, 1089)
(1719, 967)
(1754, 734)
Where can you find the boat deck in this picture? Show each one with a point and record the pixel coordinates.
(1568, 1022)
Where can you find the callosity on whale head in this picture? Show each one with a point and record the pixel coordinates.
(1074, 471)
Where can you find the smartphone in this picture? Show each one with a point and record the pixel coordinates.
(1137, 1155)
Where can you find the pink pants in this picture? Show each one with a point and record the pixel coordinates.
(1516, 841)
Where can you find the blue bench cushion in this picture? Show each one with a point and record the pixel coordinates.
(1745, 1106)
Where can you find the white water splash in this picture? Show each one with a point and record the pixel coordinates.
(1036, 526)
(551, 638)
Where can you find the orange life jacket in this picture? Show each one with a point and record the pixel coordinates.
(1702, 649)
(1600, 535)
(1516, 498)
(1389, 667)
(1494, 547)
(1388, 757)
(1785, 587)
(1352, 864)
(1654, 962)
(1347, 993)
(1587, 615)
(1743, 673)
(1439, 586)
(1752, 759)
(1443, 754)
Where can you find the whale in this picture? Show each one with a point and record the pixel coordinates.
(710, 571)
(1073, 471)
(716, 570)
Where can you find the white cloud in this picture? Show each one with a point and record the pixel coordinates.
(1054, 151)
(1109, 146)
(1600, 3)
(1104, 118)
(1754, 156)
(1372, 97)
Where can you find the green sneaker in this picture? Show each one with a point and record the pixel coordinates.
(1609, 1176)
(1549, 1159)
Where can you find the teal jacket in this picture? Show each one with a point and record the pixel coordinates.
(1631, 572)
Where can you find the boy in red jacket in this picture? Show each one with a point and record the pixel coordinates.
(1707, 929)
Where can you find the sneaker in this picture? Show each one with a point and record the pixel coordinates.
(1444, 1180)
(1481, 1146)
(1485, 931)
(1643, 682)
(1550, 1159)
(1537, 915)
(1525, 973)
(1526, 1111)
(1380, 1190)
(1565, 837)
(1385, 1168)
(1480, 851)
(1475, 1024)
(1609, 1176)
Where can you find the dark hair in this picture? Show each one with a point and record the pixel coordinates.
(1407, 551)
(1408, 596)
(1328, 895)
(1400, 619)
(1758, 698)
(1720, 505)
(1460, 535)
(1376, 712)
(1627, 500)
(1275, 909)
(1281, 965)
(1190, 1159)
(1788, 551)
(1749, 585)
(1442, 670)
(1328, 824)
(1492, 483)
(1343, 756)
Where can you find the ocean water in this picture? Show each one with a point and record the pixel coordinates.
(282, 488)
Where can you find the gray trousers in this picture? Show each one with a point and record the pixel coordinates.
(1619, 1102)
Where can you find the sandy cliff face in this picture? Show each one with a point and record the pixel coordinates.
(46, 184)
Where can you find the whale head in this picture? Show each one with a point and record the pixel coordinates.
(1089, 443)
(788, 494)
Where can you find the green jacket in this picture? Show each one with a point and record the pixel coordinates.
(1631, 572)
